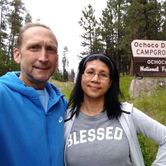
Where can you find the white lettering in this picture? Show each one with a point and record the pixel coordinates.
(109, 132)
(158, 62)
(118, 133)
(91, 133)
(70, 141)
(74, 139)
(82, 136)
(163, 68)
(142, 68)
(100, 133)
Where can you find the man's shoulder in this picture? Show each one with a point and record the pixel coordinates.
(8, 77)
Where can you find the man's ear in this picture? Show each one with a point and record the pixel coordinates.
(17, 56)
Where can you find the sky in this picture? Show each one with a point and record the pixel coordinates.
(62, 17)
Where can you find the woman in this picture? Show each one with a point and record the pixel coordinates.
(101, 131)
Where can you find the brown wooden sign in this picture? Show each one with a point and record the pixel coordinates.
(149, 57)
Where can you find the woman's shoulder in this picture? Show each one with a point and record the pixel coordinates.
(126, 107)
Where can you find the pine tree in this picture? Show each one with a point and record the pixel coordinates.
(106, 30)
(162, 32)
(28, 18)
(3, 37)
(89, 24)
(71, 76)
(15, 22)
(111, 29)
(65, 64)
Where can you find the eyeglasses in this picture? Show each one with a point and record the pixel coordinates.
(91, 74)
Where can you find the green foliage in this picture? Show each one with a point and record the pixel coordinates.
(12, 17)
(148, 148)
(6, 66)
(58, 76)
(65, 63)
(64, 87)
(67, 92)
(15, 22)
(3, 63)
(13, 66)
(124, 87)
(154, 105)
(71, 76)
(65, 75)
(89, 24)
(28, 18)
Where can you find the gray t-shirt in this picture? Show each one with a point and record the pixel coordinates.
(97, 141)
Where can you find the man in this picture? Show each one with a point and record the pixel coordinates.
(32, 110)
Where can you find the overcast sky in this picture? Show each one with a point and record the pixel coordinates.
(62, 17)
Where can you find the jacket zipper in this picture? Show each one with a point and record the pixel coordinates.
(48, 141)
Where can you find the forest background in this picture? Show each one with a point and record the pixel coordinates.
(121, 22)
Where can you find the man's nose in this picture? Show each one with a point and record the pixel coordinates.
(43, 55)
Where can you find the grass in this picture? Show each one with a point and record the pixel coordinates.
(124, 84)
(59, 84)
(154, 106)
(64, 87)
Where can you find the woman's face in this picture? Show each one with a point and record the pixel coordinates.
(95, 80)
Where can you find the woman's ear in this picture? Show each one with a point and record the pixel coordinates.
(17, 56)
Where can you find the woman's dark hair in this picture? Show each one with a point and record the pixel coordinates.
(112, 104)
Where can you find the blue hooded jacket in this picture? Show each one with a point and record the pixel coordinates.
(28, 135)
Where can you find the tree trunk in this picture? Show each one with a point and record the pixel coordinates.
(131, 67)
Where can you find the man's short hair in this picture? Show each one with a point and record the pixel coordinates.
(27, 26)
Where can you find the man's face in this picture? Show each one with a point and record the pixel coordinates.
(37, 56)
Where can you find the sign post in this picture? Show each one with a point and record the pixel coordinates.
(149, 57)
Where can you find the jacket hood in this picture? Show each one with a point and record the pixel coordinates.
(12, 81)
